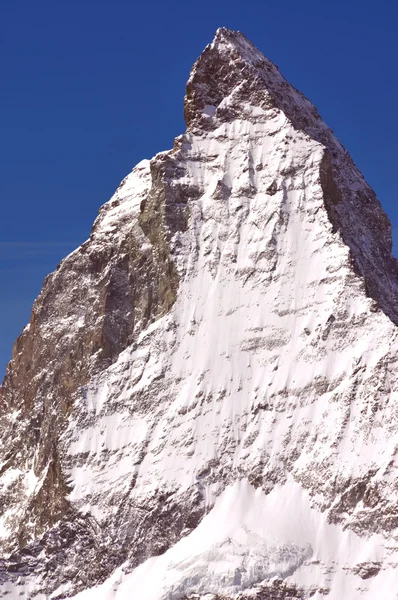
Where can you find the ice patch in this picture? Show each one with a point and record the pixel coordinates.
(248, 538)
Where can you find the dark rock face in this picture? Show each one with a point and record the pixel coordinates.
(89, 311)
(257, 226)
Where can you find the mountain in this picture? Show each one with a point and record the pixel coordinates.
(204, 404)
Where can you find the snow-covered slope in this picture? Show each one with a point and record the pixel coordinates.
(214, 413)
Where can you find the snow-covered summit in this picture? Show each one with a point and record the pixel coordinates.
(230, 75)
(205, 402)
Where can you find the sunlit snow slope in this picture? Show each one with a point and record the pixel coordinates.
(242, 443)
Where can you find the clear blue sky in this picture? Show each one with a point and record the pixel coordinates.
(89, 88)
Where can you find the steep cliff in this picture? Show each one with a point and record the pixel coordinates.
(205, 401)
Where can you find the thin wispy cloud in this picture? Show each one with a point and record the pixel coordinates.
(33, 250)
(34, 244)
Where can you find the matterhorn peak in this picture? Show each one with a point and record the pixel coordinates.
(229, 61)
(235, 42)
(204, 403)
(232, 79)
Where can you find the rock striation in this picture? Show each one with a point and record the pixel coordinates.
(204, 404)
